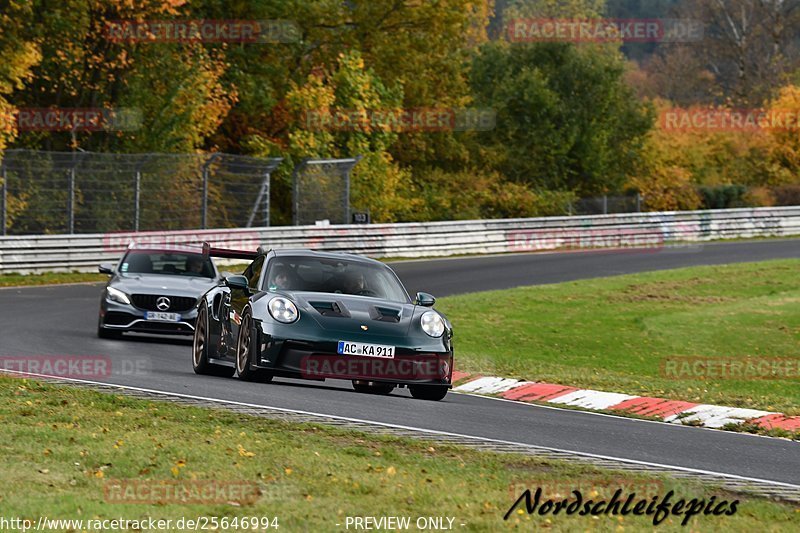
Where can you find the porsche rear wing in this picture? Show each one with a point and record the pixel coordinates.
(209, 251)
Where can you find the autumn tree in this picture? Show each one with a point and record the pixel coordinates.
(785, 137)
(175, 86)
(18, 54)
(350, 88)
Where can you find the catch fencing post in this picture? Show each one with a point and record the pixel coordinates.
(3, 200)
(204, 214)
(296, 190)
(137, 192)
(77, 158)
(71, 201)
(267, 179)
(263, 193)
(342, 168)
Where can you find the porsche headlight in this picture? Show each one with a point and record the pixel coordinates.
(432, 324)
(283, 310)
(116, 295)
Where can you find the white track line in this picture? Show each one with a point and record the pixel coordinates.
(412, 428)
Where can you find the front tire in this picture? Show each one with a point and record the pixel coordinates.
(243, 353)
(200, 363)
(433, 393)
(372, 387)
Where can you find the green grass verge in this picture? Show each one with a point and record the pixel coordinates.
(64, 447)
(55, 278)
(49, 278)
(615, 333)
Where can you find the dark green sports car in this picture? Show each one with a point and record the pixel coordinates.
(317, 315)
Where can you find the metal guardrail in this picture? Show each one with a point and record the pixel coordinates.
(649, 231)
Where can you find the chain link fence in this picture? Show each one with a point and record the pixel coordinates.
(84, 192)
(321, 191)
(604, 205)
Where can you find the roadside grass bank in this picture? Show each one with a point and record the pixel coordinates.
(49, 278)
(56, 278)
(678, 334)
(67, 451)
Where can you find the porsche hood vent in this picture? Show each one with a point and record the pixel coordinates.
(338, 309)
(331, 309)
(384, 314)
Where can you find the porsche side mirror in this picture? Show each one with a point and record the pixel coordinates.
(425, 300)
(237, 282)
(106, 268)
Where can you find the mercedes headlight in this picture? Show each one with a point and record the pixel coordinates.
(283, 310)
(432, 324)
(116, 295)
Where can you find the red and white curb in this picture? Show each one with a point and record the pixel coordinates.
(673, 411)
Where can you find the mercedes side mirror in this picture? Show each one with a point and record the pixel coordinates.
(425, 300)
(106, 268)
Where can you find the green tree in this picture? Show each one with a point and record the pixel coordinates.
(565, 118)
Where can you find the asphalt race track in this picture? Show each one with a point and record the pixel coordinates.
(61, 320)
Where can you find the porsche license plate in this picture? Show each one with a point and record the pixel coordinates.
(366, 350)
(158, 316)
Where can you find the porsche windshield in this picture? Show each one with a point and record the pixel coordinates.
(337, 276)
(167, 263)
